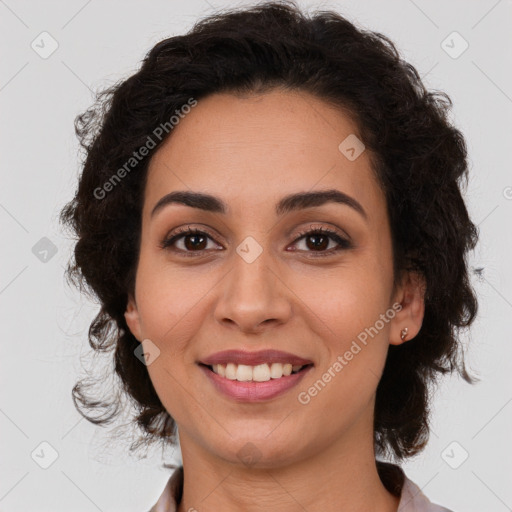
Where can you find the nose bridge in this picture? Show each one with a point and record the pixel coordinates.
(252, 293)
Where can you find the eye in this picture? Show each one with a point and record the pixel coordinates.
(321, 238)
(196, 241)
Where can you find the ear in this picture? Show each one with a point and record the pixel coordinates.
(132, 318)
(411, 297)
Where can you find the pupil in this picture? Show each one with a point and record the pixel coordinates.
(193, 245)
(318, 244)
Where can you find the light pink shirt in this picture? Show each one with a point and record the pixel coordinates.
(411, 498)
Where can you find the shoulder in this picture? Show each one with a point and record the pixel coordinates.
(171, 495)
(412, 498)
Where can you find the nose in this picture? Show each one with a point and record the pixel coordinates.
(253, 296)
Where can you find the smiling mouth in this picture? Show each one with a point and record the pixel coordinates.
(258, 373)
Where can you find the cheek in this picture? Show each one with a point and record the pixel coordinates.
(166, 294)
(347, 298)
(345, 308)
(170, 308)
(171, 312)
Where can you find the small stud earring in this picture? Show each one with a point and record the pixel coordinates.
(403, 333)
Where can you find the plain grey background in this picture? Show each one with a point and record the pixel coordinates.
(44, 321)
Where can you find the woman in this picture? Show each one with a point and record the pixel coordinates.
(271, 217)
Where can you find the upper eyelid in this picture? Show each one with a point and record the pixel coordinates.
(331, 229)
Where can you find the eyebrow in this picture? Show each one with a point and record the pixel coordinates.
(292, 202)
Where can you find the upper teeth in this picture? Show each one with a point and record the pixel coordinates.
(258, 373)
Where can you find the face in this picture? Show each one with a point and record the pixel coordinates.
(253, 280)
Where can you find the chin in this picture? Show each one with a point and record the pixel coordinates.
(260, 452)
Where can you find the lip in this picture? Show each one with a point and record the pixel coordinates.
(254, 391)
(254, 358)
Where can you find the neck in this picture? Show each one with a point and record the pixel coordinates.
(342, 477)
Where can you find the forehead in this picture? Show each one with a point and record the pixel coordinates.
(257, 148)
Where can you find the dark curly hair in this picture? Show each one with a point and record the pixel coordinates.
(418, 157)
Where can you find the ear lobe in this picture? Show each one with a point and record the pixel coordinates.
(132, 318)
(407, 322)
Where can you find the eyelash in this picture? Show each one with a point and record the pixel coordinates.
(343, 243)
